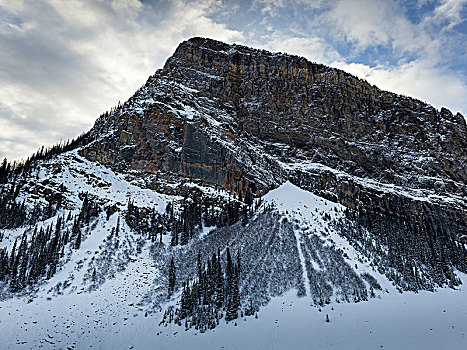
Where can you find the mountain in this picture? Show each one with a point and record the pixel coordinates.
(234, 179)
(248, 120)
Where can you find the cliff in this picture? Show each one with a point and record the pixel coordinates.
(249, 119)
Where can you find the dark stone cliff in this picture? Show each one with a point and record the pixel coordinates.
(249, 119)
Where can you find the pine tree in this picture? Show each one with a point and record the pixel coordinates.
(172, 277)
(13, 269)
(185, 234)
(236, 287)
(174, 238)
(22, 278)
(199, 266)
(117, 229)
(75, 229)
(78, 239)
(3, 264)
(244, 215)
(4, 171)
(219, 282)
(185, 302)
(229, 275)
(232, 287)
(13, 254)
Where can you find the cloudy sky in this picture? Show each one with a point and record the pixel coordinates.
(63, 62)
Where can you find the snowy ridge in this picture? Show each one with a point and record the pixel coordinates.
(312, 216)
(412, 193)
(77, 174)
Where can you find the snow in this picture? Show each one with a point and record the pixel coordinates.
(118, 314)
(115, 187)
(409, 321)
(289, 197)
(308, 209)
(189, 112)
(91, 244)
(78, 175)
(10, 236)
(111, 318)
(118, 311)
(413, 193)
(206, 230)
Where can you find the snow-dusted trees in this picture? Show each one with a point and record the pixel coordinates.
(232, 292)
(4, 171)
(172, 277)
(37, 254)
(194, 212)
(208, 296)
(15, 213)
(414, 254)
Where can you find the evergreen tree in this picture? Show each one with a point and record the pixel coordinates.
(13, 268)
(185, 302)
(117, 229)
(94, 275)
(174, 238)
(3, 264)
(229, 275)
(244, 215)
(219, 282)
(236, 287)
(78, 239)
(172, 277)
(232, 287)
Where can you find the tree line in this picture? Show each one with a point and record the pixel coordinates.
(15, 213)
(415, 255)
(195, 211)
(210, 296)
(13, 176)
(39, 256)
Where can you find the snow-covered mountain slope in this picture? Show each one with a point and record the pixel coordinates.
(241, 194)
(121, 308)
(249, 120)
(312, 217)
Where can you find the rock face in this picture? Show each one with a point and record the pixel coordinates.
(249, 119)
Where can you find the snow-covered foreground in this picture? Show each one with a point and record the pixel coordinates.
(109, 319)
(117, 315)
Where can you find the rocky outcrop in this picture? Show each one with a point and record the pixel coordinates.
(244, 118)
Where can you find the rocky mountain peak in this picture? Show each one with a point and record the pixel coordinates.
(212, 54)
(314, 112)
(248, 120)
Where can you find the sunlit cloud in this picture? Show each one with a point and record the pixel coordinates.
(63, 63)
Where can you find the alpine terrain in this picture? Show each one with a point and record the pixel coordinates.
(241, 199)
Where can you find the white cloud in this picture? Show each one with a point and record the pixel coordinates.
(419, 79)
(313, 48)
(450, 11)
(65, 62)
(274, 7)
(373, 23)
